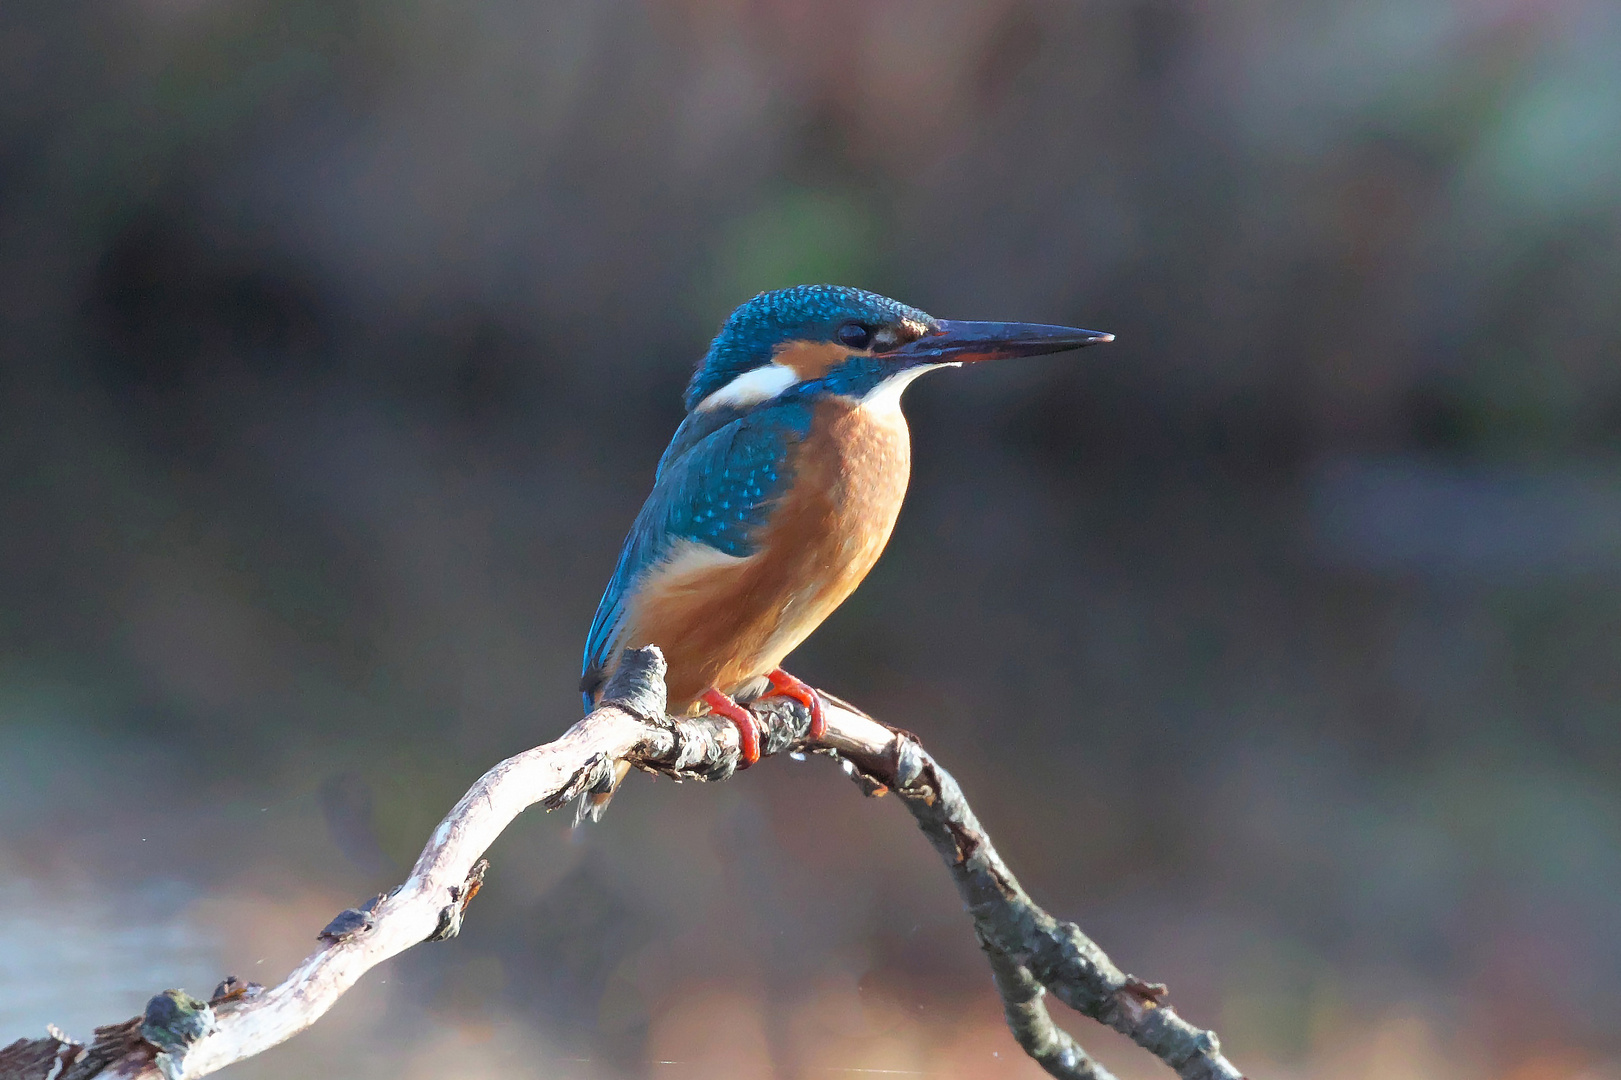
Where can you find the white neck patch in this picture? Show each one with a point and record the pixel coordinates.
(885, 398)
(752, 387)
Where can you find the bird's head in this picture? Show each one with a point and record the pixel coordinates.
(850, 342)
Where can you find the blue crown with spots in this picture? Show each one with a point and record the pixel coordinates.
(802, 313)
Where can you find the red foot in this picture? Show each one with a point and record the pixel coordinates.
(748, 728)
(785, 685)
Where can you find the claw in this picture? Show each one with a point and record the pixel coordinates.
(748, 728)
(785, 685)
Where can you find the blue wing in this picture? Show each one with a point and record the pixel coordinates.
(715, 485)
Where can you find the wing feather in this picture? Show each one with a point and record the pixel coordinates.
(715, 486)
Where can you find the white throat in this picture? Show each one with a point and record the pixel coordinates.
(885, 398)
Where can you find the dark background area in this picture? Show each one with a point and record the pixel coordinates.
(1277, 642)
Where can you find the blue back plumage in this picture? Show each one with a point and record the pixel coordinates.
(803, 313)
(716, 485)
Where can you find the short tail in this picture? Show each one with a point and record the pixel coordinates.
(593, 804)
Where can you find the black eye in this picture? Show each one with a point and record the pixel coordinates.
(855, 335)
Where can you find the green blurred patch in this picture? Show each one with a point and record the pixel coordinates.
(1557, 147)
(795, 237)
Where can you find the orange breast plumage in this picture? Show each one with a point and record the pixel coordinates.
(724, 621)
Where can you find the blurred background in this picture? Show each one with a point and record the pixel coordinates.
(1278, 644)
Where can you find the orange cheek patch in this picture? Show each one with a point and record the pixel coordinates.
(811, 359)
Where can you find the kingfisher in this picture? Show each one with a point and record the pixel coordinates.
(778, 493)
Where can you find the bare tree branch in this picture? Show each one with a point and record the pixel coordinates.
(1030, 952)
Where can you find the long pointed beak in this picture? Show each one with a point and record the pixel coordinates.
(971, 342)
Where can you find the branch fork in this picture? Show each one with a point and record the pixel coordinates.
(1031, 954)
